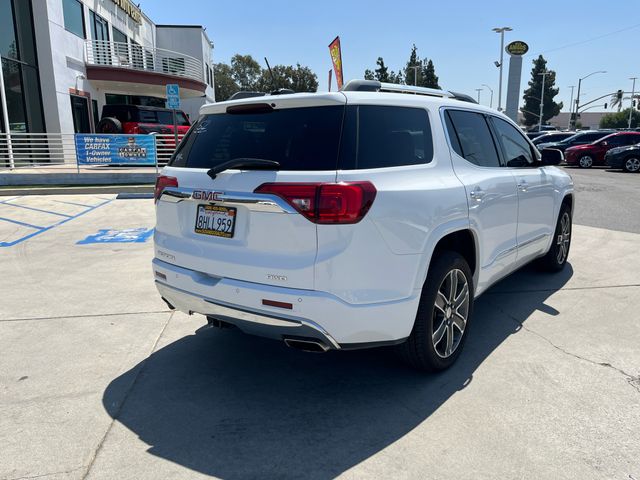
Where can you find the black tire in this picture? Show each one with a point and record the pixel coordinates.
(631, 165)
(585, 161)
(555, 260)
(109, 125)
(419, 350)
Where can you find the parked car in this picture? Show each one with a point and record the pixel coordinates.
(549, 137)
(134, 119)
(580, 138)
(355, 219)
(586, 156)
(627, 158)
(534, 135)
(542, 128)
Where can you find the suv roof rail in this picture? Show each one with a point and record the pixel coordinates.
(376, 86)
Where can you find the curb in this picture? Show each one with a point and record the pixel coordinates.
(75, 190)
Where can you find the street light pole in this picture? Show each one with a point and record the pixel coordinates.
(491, 90)
(478, 90)
(501, 31)
(570, 106)
(575, 118)
(544, 75)
(415, 74)
(633, 91)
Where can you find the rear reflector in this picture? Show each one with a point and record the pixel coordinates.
(273, 303)
(326, 203)
(163, 182)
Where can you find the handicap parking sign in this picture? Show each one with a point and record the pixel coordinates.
(173, 95)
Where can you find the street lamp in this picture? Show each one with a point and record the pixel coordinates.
(478, 90)
(633, 91)
(415, 74)
(491, 90)
(574, 119)
(544, 75)
(570, 105)
(501, 31)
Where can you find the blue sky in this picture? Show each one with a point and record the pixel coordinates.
(576, 38)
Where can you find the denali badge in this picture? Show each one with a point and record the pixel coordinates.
(280, 278)
(206, 195)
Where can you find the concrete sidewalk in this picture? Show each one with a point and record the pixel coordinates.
(70, 174)
(99, 380)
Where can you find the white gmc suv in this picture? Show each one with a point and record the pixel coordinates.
(366, 217)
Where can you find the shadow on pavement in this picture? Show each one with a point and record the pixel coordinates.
(236, 406)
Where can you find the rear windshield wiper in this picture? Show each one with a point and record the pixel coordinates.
(254, 163)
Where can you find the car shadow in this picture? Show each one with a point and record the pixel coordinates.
(235, 406)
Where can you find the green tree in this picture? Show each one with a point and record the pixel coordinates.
(532, 94)
(223, 82)
(382, 73)
(413, 70)
(298, 79)
(429, 77)
(620, 119)
(245, 71)
(421, 73)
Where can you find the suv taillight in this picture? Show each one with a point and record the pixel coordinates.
(162, 182)
(328, 203)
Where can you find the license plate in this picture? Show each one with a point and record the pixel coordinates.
(215, 220)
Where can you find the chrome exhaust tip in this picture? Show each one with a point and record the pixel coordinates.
(306, 345)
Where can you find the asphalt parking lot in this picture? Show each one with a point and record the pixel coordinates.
(99, 380)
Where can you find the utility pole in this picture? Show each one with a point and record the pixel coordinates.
(478, 90)
(575, 118)
(491, 90)
(501, 31)
(633, 91)
(570, 106)
(544, 75)
(415, 74)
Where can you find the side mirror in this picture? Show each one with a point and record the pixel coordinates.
(604, 144)
(551, 157)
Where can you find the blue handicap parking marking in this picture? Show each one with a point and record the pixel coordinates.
(128, 235)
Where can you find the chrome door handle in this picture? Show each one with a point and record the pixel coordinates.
(522, 186)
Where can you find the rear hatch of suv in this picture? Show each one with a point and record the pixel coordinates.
(238, 220)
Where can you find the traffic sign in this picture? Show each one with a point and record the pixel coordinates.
(173, 96)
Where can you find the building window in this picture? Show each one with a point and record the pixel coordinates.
(74, 17)
(20, 67)
(100, 35)
(80, 112)
(121, 47)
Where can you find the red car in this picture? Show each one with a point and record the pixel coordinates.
(586, 156)
(140, 119)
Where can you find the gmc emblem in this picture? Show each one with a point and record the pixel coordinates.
(206, 195)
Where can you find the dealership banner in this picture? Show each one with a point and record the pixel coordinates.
(336, 58)
(109, 149)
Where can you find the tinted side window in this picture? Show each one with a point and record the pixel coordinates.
(385, 136)
(474, 137)
(515, 149)
(629, 139)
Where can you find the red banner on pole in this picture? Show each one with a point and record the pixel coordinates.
(336, 58)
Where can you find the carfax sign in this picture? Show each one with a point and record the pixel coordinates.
(108, 149)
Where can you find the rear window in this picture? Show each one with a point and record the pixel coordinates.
(297, 138)
(312, 138)
(160, 117)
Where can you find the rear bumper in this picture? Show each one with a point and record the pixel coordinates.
(314, 314)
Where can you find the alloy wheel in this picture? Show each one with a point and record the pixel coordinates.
(450, 313)
(564, 238)
(632, 164)
(586, 161)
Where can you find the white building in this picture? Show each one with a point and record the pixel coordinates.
(63, 60)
